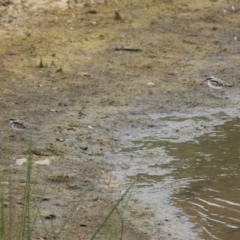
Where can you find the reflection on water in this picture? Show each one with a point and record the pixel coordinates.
(213, 195)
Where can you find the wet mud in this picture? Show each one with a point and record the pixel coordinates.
(85, 75)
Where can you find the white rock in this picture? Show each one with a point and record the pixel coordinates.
(45, 162)
(21, 161)
(150, 84)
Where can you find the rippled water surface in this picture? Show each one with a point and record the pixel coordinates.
(203, 173)
(212, 166)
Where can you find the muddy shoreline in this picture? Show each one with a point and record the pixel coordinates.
(61, 73)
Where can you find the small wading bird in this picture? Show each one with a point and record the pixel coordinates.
(18, 126)
(216, 83)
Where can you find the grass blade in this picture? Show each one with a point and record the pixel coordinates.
(116, 205)
(73, 210)
(121, 215)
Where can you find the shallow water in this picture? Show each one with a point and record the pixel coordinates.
(212, 166)
(193, 177)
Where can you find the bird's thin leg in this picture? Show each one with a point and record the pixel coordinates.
(210, 92)
(15, 135)
(18, 138)
(21, 134)
(219, 94)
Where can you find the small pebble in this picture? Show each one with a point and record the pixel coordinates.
(84, 148)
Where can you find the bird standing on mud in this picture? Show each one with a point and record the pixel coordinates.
(216, 83)
(18, 126)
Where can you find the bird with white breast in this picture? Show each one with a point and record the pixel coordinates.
(18, 126)
(216, 83)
